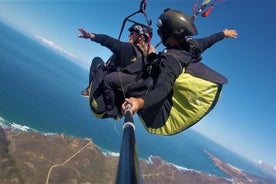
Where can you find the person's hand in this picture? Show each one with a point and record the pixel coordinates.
(85, 34)
(230, 33)
(136, 104)
(152, 49)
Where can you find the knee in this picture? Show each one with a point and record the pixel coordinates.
(97, 61)
(111, 80)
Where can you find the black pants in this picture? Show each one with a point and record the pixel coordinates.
(107, 89)
(115, 81)
(96, 63)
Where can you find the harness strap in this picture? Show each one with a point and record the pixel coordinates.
(141, 10)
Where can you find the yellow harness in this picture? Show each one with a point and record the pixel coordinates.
(192, 99)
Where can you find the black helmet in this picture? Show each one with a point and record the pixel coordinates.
(141, 30)
(176, 24)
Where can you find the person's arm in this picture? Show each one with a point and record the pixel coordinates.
(169, 72)
(123, 50)
(207, 42)
(111, 43)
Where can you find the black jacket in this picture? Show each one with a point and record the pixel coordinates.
(170, 70)
(129, 57)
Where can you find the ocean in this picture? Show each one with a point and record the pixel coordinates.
(40, 91)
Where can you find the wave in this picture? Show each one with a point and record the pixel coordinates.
(149, 160)
(110, 153)
(6, 124)
(20, 127)
(154, 159)
(13, 125)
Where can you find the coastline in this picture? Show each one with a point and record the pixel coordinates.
(35, 152)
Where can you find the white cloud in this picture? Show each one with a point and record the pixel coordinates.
(55, 46)
(260, 162)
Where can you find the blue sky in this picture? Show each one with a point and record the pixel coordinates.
(244, 119)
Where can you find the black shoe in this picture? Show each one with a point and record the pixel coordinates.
(85, 92)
